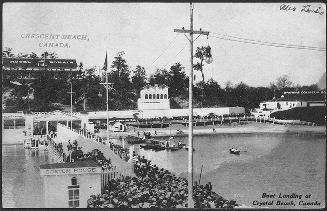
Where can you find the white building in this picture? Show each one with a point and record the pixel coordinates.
(70, 185)
(289, 101)
(281, 104)
(154, 98)
(118, 127)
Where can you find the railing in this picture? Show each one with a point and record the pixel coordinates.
(90, 136)
(60, 156)
(108, 175)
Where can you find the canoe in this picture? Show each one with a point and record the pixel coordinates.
(235, 152)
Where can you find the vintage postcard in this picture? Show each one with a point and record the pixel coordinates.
(163, 105)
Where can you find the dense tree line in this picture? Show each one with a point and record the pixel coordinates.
(49, 93)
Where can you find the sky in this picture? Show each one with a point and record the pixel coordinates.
(145, 31)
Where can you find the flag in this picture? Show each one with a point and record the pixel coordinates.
(105, 68)
(105, 63)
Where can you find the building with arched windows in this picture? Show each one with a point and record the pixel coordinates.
(154, 98)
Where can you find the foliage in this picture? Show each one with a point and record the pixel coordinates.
(122, 89)
(202, 53)
(139, 78)
(90, 94)
(160, 77)
(178, 81)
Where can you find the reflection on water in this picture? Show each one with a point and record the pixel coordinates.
(21, 180)
(269, 163)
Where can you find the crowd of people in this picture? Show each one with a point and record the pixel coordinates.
(155, 187)
(120, 151)
(58, 147)
(76, 154)
(98, 156)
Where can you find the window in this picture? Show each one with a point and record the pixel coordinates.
(165, 96)
(161, 96)
(154, 96)
(73, 194)
(73, 197)
(150, 96)
(146, 96)
(74, 181)
(158, 96)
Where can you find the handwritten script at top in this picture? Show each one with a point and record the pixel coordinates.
(305, 8)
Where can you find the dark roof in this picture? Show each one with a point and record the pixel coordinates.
(77, 164)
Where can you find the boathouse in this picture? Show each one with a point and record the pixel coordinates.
(69, 185)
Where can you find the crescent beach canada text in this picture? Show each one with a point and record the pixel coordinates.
(57, 40)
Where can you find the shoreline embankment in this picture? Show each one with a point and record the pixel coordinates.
(234, 128)
(14, 137)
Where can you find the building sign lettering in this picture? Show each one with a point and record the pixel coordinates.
(62, 171)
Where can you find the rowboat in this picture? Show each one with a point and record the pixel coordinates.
(234, 151)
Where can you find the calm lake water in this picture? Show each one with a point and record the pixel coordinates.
(269, 163)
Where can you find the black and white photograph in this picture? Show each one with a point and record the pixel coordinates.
(203, 105)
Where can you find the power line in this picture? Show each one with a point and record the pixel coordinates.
(163, 51)
(175, 55)
(179, 52)
(271, 44)
(265, 41)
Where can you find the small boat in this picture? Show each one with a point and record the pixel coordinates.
(158, 148)
(136, 141)
(155, 145)
(234, 151)
(173, 148)
(185, 147)
(146, 146)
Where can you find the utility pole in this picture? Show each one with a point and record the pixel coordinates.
(107, 95)
(71, 104)
(190, 201)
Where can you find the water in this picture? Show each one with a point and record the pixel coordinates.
(21, 181)
(269, 163)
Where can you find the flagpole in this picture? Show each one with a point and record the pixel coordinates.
(107, 95)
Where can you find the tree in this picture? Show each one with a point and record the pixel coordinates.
(80, 68)
(202, 53)
(7, 53)
(139, 78)
(33, 55)
(160, 77)
(283, 82)
(22, 55)
(47, 55)
(209, 93)
(178, 80)
(122, 90)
